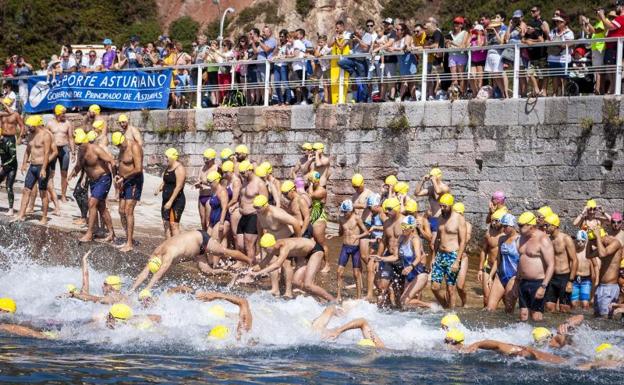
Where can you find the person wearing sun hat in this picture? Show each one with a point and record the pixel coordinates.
(536, 267)
(452, 234)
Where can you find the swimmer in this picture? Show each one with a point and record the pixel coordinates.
(351, 229)
(132, 133)
(360, 197)
(387, 188)
(95, 122)
(369, 337)
(506, 266)
(497, 202)
(450, 321)
(111, 288)
(247, 230)
(542, 213)
(297, 206)
(375, 226)
(241, 153)
(195, 244)
(543, 336)
(488, 258)
(413, 260)
(607, 357)
(449, 244)
(203, 186)
(308, 256)
(8, 306)
(304, 164)
(566, 266)
(586, 273)
(234, 184)
(318, 215)
(463, 265)
(433, 194)
(535, 267)
(321, 163)
(265, 172)
(217, 215)
(608, 247)
(245, 320)
(592, 214)
(10, 121)
(390, 279)
(122, 314)
(62, 130)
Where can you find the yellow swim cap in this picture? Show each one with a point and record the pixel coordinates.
(454, 335)
(591, 236)
(318, 146)
(227, 166)
(261, 171)
(8, 305)
(268, 166)
(450, 321)
(391, 204)
(71, 288)
(459, 208)
(154, 264)
(357, 180)
(7, 101)
(366, 342)
(498, 214)
(602, 347)
(172, 153)
(287, 185)
(95, 109)
(118, 138)
(123, 118)
(226, 153)
(91, 136)
(59, 109)
(314, 176)
(145, 294)
(260, 201)
(447, 199)
(80, 136)
(241, 149)
(436, 172)
(210, 153)
(307, 146)
(591, 204)
(213, 176)
(217, 311)
(527, 218)
(121, 311)
(267, 240)
(552, 219)
(98, 125)
(34, 121)
(50, 334)
(540, 334)
(545, 211)
(401, 188)
(219, 332)
(114, 281)
(245, 166)
(391, 180)
(411, 206)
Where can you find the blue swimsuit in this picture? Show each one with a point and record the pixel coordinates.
(407, 255)
(508, 263)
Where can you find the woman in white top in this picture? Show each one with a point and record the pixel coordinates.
(285, 50)
(559, 55)
(494, 60)
(457, 61)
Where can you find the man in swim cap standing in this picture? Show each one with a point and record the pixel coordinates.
(247, 231)
(586, 273)
(10, 120)
(448, 247)
(433, 193)
(566, 266)
(535, 268)
(63, 131)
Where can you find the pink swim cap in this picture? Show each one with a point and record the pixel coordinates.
(616, 216)
(498, 197)
(299, 183)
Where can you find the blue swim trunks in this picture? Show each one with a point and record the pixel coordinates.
(101, 186)
(442, 268)
(132, 188)
(349, 251)
(581, 289)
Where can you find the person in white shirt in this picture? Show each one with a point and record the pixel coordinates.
(321, 69)
(91, 62)
(298, 67)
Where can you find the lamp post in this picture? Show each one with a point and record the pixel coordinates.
(220, 38)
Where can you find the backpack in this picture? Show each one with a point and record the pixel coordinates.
(234, 98)
(486, 92)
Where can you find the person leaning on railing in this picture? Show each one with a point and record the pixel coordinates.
(407, 62)
(513, 35)
(357, 68)
(458, 38)
(596, 31)
(559, 55)
(321, 70)
(477, 58)
(494, 60)
(615, 28)
(285, 50)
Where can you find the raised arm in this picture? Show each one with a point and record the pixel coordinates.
(365, 328)
(245, 319)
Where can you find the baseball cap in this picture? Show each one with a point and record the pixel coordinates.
(107, 42)
(517, 14)
(388, 20)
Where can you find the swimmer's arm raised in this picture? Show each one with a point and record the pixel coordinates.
(611, 248)
(244, 312)
(85, 273)
(140, 278)
(363, 325)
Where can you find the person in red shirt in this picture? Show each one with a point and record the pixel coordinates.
(615, 28)
(9, 67)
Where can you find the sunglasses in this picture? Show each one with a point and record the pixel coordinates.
(534, 10)
(370, 25)
(616, 222)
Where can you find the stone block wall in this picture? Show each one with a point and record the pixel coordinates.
(556, 151)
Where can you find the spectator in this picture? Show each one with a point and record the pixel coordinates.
(54, 69)
(309, 51)
(435, 40)
(321, 71)
(615, 28)
(280, 68)
(212, 58)
(7, 92)
(407, 62)
(68, 63)
(78, 58)
(133, 53)
(252, 69)
(536, 55)
(299, 52)
(150, 56)
(340, 46)
(266, 45)
(22, 69)
(390, 62)
(241, 52)
(109, 56)
(477, 58)
(494, 60)
(371, 64)
(459, 38)
(43, 68)
(91, 63)
(199, 51)
(513, 35)
(224, 76)
(559, 55)
(361, 42)
(597, 31)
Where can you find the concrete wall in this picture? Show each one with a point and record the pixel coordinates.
(558, 151)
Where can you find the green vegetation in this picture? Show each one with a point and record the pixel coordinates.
(303, 7)
(36, 29)
(402, 9)
(268, 8)
(184, 30)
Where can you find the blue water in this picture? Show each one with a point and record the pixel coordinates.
(281, 348)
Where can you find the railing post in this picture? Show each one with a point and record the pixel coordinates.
(233, 74)
(516, 72)
(340, 85)
(423, 78)
(267, 78)
(199, 88)
(618, 68)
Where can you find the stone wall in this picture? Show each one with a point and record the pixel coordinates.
(556, 151)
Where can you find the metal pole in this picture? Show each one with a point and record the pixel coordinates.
(340, 86)
(233, 73)
(423, 78)
(199, 88)
(516, 72)
(267, 77)
(618, 69)
(220, 38)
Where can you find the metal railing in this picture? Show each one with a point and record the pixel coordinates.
(265, 90)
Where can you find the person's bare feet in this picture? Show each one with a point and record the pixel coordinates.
(43, 221)
(64, 199)
(30, 210)
(57, 212)
(79, 221)
(10, 213)
(326, 269)
(86, 238)
(289, 295)
(17, 219)
(109, 239)
(275, 293)
(125, 248)
(371, 299)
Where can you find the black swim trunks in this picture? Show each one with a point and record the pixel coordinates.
(63, 157)
(34, 176)
(205, 239)
(556, 290)
(317, 248)
(248, 224)
(526, 295)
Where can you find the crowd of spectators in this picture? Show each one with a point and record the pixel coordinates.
(384, 61)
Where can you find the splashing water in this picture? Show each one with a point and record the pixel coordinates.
(286, 349)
